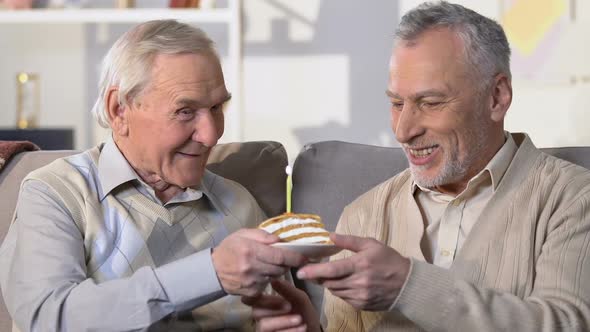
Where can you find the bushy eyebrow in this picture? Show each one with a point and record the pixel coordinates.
(417, 96)
(196, 104)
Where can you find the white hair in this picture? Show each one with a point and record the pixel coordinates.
(486, 46)
(128, 63)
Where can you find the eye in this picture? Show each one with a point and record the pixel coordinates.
(217, 108)
(431, 104)
(185, 113)
(397, 105)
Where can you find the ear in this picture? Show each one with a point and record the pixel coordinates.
(501, 97)
(118, 114)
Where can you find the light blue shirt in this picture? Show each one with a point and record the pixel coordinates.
(132, 263)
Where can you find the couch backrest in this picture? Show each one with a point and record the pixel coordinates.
(258, 166)
(327, 176)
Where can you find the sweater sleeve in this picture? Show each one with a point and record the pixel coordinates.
(46, 286)
(435, 299)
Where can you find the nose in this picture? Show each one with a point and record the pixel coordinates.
(208, 128)
(406, 123)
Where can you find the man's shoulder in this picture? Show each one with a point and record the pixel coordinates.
(226, 193)
(535, 164)
(74, 171)
(218, 184)
(563, 174)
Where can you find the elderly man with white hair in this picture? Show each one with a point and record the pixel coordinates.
(136, 234)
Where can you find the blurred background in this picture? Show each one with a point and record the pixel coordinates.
(300, 71)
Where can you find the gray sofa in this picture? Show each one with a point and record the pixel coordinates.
(327, 176)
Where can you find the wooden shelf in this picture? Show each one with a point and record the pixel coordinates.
(60, 16)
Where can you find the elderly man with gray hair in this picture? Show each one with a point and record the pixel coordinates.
(135, 234)
(483, 232)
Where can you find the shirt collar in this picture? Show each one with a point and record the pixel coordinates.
(495, 167)
(499, 164)
(114, 170)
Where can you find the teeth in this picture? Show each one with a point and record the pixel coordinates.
(421, 152)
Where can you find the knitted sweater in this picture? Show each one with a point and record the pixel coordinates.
(523, 267)
(92, 259)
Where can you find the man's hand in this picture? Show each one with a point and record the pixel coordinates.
(368, 280)
(245, 262)
(289, 310)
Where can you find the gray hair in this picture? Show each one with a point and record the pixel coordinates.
(128, 63)
(486, 48)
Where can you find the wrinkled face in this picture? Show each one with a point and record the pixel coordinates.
(436, 113)
(176, 120)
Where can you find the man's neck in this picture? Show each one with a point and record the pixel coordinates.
(164, 191)
(166, 195)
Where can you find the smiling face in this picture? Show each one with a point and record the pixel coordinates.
(168, 130)
(442, 122)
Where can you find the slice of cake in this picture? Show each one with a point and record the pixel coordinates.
(297, 228)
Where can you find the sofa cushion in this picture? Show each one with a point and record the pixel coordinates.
(258, 166)
(579, 155)
(329, 175)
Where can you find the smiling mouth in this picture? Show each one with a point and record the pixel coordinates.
(421, 153)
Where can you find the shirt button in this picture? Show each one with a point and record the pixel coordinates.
(457, 202)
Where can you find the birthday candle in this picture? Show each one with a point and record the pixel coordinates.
(289, 171)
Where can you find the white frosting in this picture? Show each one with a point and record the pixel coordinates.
(288, 222)
(296, 231)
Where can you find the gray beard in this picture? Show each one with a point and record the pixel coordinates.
(454, 169)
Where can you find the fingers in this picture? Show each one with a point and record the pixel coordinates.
(340, 268)
(244, 262)
(268, 254)
(271, 313)
(261, 269)
(287, 323)
(350, 242)
(330, 270)
(337, 284)
(291, 293)
(267, 305)
(279, 256)
(301, 328)
(272, 305)
(258, 235)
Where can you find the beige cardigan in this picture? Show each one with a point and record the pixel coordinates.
(524, 267)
